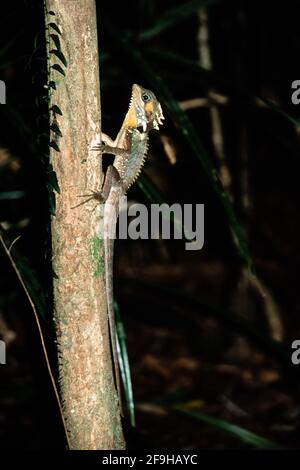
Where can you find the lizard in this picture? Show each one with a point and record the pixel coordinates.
(130, 151)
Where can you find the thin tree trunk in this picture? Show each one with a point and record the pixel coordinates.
(87, 387)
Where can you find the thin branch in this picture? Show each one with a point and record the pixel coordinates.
(13, 242)
(213, 98)
(8, 253)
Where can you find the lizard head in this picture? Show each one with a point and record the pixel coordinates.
(144, 110)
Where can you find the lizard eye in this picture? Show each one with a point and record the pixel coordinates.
(146, 97)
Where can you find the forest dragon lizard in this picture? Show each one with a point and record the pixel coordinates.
(130, 151)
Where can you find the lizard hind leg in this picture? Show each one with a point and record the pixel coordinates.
(112, 178)
(93, 195)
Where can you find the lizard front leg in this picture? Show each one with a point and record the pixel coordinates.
(112, 175)
(109, 149)
(109, 146)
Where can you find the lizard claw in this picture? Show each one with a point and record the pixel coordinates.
(93, 195)
(97, 145)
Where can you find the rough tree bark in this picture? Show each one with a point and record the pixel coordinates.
(87, 388)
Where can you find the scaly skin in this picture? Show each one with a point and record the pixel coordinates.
(130, 150)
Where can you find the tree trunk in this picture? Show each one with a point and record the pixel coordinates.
(89, 398)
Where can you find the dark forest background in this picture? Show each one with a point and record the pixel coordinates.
(209, 343)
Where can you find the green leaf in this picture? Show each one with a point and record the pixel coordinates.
(60, 55)
(52, 201)
(53, 181)
(240, 433)
(54, 127)
(175, 15)
(56, 110)
(124, 364)
(54, 145)
(52, 178)
(56, 41)
(55, 27)
(58, 68)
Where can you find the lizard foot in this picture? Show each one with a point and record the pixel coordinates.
(98, 146)
(93, 195)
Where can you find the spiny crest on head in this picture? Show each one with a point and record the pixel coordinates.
(144, 110)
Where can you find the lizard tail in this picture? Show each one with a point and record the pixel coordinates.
(110, 219)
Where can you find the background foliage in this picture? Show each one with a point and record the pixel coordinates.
(208, 333)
